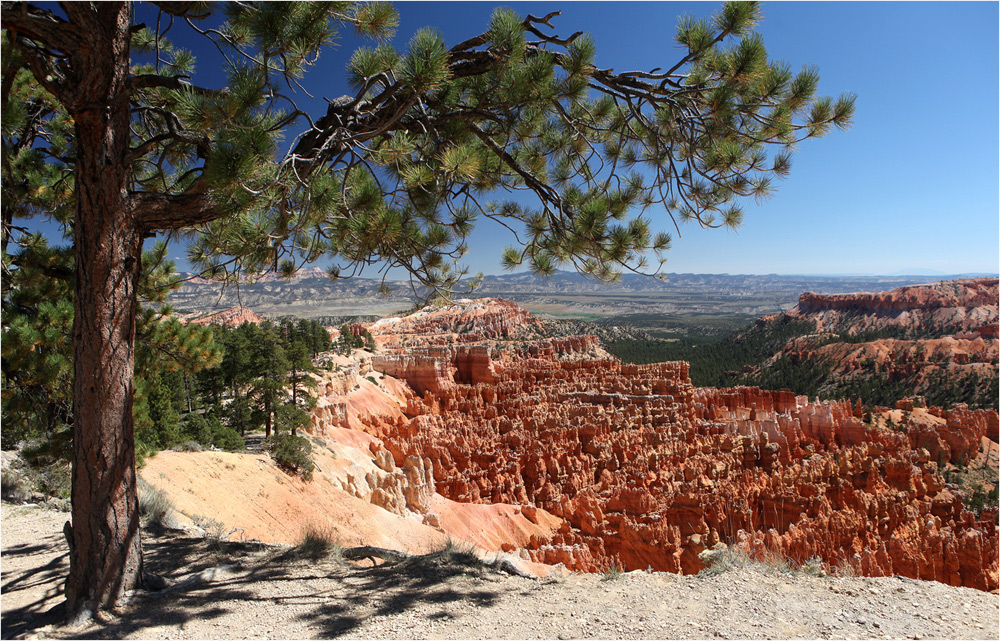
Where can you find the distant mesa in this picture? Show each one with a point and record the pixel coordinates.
(229, 317)
(925, 300)
(927, 339)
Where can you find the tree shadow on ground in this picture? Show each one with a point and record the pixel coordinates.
(44, 581)
(164, 553)
(390, 589)
(316, 597)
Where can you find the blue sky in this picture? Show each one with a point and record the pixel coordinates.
(913, 185)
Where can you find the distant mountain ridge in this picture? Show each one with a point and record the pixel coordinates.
(639, 282)
(563, 281)
(311, 292)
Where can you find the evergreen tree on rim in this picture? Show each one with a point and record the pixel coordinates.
(395, 174)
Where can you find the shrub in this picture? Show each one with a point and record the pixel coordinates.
(55, 480)
(722, 559)
(462, 554)
(294, 454)
(813, 567)
(773, 561)
(226, 438)
(207, 429)
(12, 485)
(980, 498)
(452, 558)
(200, 429)
(154, 504)
(188, 446)
(47, 451)
(44, 474)
(215, 532)
(142, 452)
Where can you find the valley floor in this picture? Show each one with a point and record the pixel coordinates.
(265, 593)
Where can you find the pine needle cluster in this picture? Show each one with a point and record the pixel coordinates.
(437, 137)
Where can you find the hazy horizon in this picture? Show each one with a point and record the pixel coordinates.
(558, 272)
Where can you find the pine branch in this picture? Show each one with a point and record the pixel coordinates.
(29, 21)
(160, 212)
(181, 9)
(148, 81)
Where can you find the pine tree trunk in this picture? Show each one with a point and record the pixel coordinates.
(187, 393)
(243, 422)
(105, 556)
(267, 417)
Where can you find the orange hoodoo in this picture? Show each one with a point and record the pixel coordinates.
(648, 471)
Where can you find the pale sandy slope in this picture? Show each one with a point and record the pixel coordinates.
(267, 593)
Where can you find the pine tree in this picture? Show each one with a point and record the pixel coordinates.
(270, 368)
(397, 172)
(300, 365)
(37, 352)
(37, 349)
(238, 414)
(163, 429)
(315, 336)
(236, 367)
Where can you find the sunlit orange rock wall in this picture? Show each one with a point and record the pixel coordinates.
(922, 362)
(233, 317)
(466, 321)
(649, 471)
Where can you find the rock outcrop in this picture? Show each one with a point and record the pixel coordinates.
(965, 304)
(647, 471)
(938, 340)
(465, 321)
(233, 317)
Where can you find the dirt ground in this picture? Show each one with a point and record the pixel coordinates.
(235, 591)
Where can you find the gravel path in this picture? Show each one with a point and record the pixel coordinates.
(272, 593)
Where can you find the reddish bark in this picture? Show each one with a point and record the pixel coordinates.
(105, 554)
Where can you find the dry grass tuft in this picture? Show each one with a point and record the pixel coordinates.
(461, 554)
(13, 486)
(613, 573)
(154, 504)
(318, 542)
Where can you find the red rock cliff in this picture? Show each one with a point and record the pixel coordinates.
(230, 317)
(953, 306)
(976, 292)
